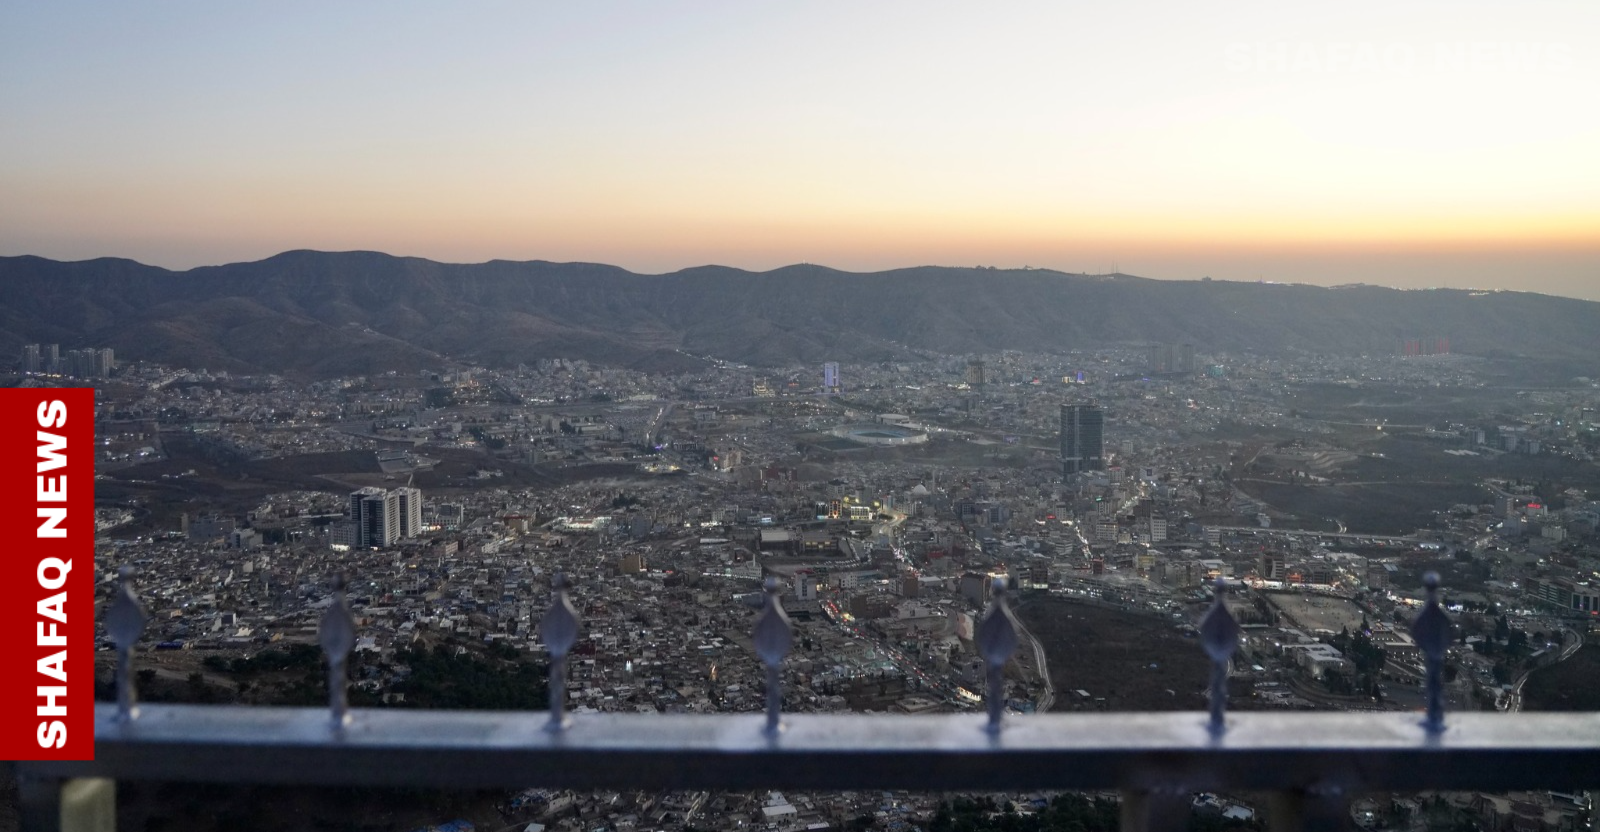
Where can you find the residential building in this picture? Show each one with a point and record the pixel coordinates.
(410, 508)
(376, 514)
(1082, 438)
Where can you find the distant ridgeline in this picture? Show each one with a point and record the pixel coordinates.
(324, 314)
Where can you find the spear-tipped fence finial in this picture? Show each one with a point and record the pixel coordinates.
(1431, 631)
(559, 632)
(1219, 634)
(337, 634)
(773, 637)
(997, 640)
(125, 622)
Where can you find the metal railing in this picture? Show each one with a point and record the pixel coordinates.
(1312, 764)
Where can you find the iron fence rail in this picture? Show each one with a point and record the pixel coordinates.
(1311, 763)
(1165, 752)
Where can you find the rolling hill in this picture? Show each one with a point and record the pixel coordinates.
(324, 314)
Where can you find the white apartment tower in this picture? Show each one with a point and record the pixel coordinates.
(376, 515)
(410, 511)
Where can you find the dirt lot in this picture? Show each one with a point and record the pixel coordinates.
(1412, 459)
(1400, 405)
(1399, 482)
(1318, 612)
(1137, 662)
(224, 482)
(1572, 685)
(1378, 508)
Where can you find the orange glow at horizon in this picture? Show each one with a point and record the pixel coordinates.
(1165, 140)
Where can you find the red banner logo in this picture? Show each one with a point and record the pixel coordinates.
(47, 574)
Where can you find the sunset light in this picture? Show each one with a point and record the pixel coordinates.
(1439, 144)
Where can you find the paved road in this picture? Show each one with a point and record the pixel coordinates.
(1514, 700)
(654, 432)
(1048, 698)
(907, 665)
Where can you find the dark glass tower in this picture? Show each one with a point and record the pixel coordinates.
(1082, 438)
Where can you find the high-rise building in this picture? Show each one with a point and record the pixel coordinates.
(975, 373)
(382, 517)
(51, 358)
(1425, 346)
(376, 514)
(1163, 358)
(86, 363)
(30, 359)
(78, 363)
(1156, 361)
(1082, 438)
(1171, 358)
(410, 506)
(830, 377)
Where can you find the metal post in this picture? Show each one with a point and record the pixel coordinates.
(338, 636)
(997, 640)
(559, 631)
(773, 637)
(125, 622)
(1431, 631)
(1219, 635)
(89, 804)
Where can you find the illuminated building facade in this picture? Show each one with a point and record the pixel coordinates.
(1082, 438)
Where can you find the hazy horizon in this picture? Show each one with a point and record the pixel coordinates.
(1438, 144)
(1090, 272)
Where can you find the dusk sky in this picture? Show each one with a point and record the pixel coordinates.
(1408, 144)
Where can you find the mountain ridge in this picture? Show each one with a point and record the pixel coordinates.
(335, 313)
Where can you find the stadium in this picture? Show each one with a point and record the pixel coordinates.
(871, 433)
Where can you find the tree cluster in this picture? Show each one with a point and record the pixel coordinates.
(501, 680)
(1366, 657)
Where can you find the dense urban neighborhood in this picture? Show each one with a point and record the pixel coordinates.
(1106, 491)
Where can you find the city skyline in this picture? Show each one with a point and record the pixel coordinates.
(1436, 145)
